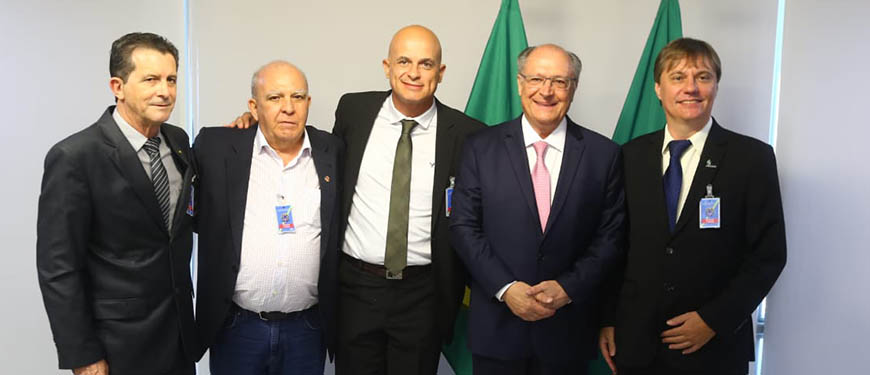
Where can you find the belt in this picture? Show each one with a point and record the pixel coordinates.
(381, 271)
(273, 315)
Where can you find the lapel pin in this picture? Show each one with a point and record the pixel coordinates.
(710, 164)
(326, 179)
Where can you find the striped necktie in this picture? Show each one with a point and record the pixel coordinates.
(159, 177)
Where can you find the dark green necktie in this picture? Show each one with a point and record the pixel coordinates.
(396, 256)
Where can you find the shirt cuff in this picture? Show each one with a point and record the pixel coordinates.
(500, 294)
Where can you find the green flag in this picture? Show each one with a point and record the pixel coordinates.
(642, 112)
(494, 99)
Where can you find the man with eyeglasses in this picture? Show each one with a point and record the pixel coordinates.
(538, 220)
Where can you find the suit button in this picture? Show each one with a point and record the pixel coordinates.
(669, 251)
(235, 268)
(540, 257)
(669, 288)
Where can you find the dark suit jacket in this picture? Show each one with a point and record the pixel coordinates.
(224, 159)
(497, 232)
(722, 273)
(354, 118)
(116, 284)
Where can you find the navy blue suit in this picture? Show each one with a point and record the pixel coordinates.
(496, 231)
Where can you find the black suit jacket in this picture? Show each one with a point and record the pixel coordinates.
(223, 157)
(722, 273)
(497, 232)
(115, 282)
(354, 118)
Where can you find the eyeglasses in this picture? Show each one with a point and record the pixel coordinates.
(561, 83)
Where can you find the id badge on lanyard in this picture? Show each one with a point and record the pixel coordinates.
(710, 209)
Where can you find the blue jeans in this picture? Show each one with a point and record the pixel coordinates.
(248, 345)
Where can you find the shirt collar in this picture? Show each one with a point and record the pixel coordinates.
(262, 146)
(697, 139)
(556, 139)
(136, 139)
(393, 116)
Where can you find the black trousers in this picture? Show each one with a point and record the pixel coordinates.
(386, 327)
(662, 369)
(531, 366)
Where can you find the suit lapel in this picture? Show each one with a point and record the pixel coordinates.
(356, 138)
(516, 150)
(445, 145)
(324, 163)
(131, 167)
(650, 176)
(574, 148)
(182, 162)
(714, 151)
(238, 172)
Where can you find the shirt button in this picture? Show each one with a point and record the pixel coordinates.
(669, 251)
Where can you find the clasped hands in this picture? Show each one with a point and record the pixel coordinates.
(537, 302)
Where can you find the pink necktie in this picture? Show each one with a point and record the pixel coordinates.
(541, 182)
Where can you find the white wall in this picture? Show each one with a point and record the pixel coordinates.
(341, 50)
(819, 311)
(56, 55)
(55, 65)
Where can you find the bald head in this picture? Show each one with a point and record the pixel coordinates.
(414, 69)
(415, 35)
(277, 66)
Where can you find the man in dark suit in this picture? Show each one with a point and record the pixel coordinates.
(706, 239)
(114, 227)
(400, 281)
(268, 226)
(538, 220)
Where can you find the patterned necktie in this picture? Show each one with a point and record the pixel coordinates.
(396, 255)
(158, 177)
(541, 183)
(673, 179)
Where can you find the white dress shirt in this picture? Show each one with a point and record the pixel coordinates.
(555, 148)
(137, 140)
(366, 234)
(688, 161)
(552, 160)
(279, 271)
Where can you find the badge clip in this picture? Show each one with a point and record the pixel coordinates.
(448, 197)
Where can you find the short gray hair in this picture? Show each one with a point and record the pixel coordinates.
(576, 64)
(255, 79)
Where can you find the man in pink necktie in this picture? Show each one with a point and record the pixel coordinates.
(538, 219)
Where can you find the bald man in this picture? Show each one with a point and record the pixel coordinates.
(268, 234)
(400, 281)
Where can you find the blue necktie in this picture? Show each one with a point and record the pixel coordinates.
(673, 179)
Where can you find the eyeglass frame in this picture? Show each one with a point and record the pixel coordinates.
(544, 80)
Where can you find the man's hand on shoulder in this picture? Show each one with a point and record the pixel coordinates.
(524, 305)
(97, 368)
(244, 121)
